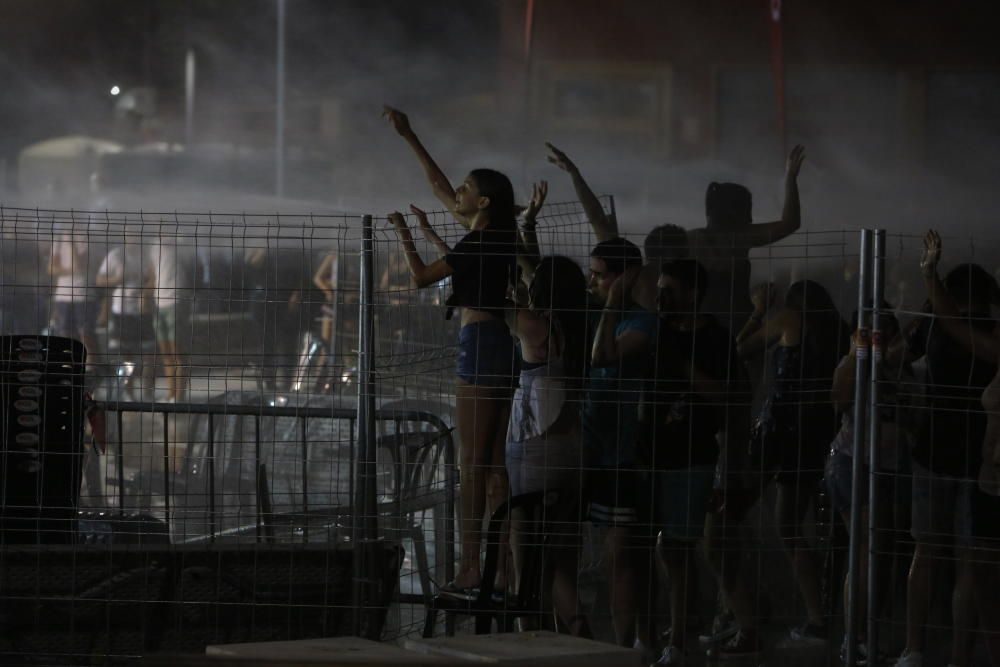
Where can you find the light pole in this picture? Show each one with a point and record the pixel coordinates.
(279, 128)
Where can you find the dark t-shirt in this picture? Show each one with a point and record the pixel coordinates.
(683, 422)
(483, 264)
(610, 410)
(953, 440)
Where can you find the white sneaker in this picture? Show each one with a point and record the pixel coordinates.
(911, 659)
(671, 656)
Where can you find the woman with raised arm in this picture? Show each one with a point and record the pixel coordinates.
(897, 385)
(544, 450)
(481, 266)
(980, 337)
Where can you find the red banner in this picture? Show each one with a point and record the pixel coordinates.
(778, 65)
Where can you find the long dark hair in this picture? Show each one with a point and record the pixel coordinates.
(560, 287)
(498, 189)
(825, 336)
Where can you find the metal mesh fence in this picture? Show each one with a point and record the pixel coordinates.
(272, 410)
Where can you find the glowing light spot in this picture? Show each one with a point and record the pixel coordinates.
(115, 90)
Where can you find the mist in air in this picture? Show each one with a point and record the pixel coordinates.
(898, 104)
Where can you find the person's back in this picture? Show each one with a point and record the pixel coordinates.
(726, 257)
(723, 245)
(126, 267)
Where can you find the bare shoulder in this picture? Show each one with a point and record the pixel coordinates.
(532, 329)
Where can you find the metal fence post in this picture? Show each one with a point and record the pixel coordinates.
(365, 518)
(878, 294)
(861, 386)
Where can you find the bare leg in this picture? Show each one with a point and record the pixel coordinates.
(791, 506)
(987, 567)
(564, 591)
(862, 607)
(918, 594)
(678, 558)
(498, 485)
(478, 412)
(624, 585)
(723, 550)
(171, 367)
(963, 608)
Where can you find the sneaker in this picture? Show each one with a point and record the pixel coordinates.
(740, 645)
(671, 656)
(453, 590)
(910, 659)
(860, 654)
(724, 627)
(809, 632)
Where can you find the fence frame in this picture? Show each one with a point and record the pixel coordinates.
(871, 292)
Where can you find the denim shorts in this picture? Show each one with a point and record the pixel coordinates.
(486, 354)
(893, 487)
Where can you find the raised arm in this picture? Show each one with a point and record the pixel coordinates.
(423, 274)
(982, 344)
(428, 231)
(609, 349)
(529, 254)
(759, 333)
(323, 276)
(605, 227)
(440, 185)
(791, 214)
(842, 393)
(56, 267)
(110, 273)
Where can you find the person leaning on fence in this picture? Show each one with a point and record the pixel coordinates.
(796, 423)
(684, 412)
(481, 265)
(896, 386)
(544, 451)
(961, 339)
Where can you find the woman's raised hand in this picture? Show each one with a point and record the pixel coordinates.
(794, 162)
(421, 217)
(397, 119)
(539, 191)
(763, 296)
(932, 253)
(397, 220)
(560, 159)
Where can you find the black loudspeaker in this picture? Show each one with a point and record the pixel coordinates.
(41, 438)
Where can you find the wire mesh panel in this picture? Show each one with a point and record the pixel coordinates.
(229, 443)
(211, 495)
(934, 508)
(747, 539)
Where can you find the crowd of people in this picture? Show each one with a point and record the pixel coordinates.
(629, 393)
